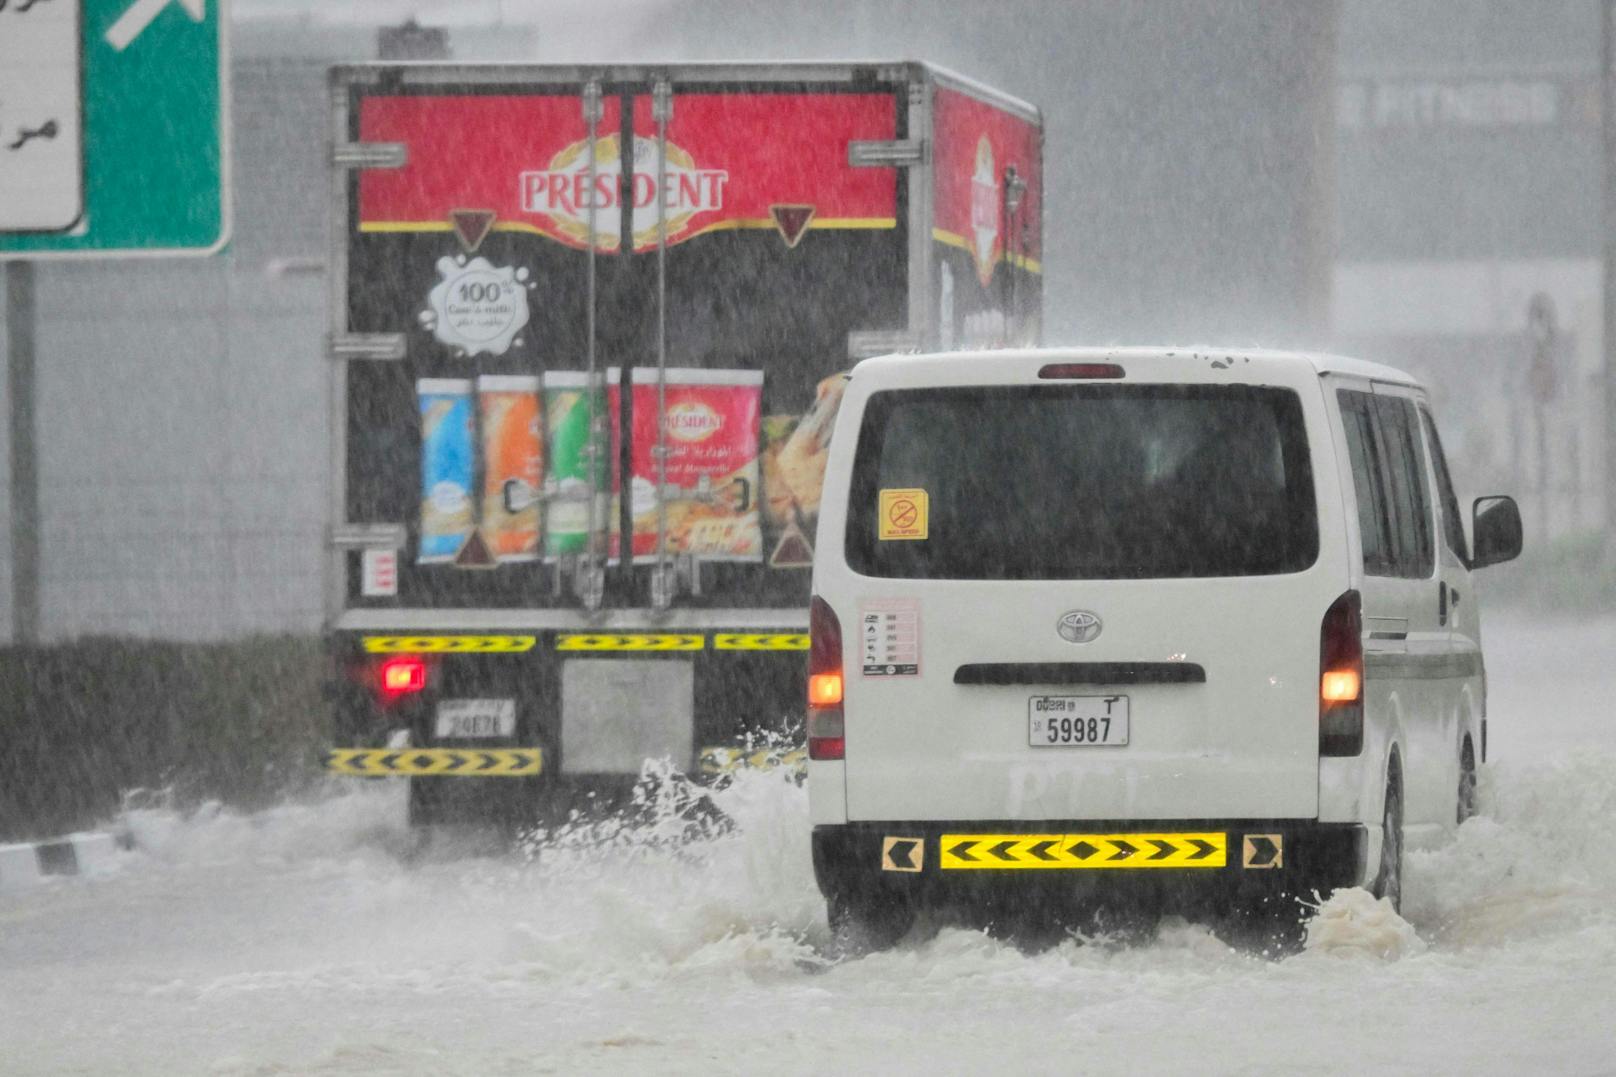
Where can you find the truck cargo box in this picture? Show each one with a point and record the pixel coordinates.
(589, 327)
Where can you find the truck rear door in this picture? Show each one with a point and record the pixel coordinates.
(702, 240)
(766, 248)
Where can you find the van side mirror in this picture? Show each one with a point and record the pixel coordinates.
(1497, 530)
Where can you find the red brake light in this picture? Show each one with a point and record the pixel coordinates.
(1069, 371)
(825, 739)
(403, 675)
(1341, 677)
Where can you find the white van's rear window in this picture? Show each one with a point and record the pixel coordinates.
(1085, 482)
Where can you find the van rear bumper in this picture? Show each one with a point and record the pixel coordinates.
(1178, 863)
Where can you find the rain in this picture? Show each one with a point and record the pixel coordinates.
(429, 570)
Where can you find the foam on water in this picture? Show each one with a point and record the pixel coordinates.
(1536, 860)
(320, 936)
(602, 902)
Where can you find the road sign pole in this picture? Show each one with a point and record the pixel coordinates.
(24, 454)
(1607, 69)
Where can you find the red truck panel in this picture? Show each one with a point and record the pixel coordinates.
(973, 144)
(732, 158)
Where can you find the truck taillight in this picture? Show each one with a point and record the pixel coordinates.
(402, 675)
(1341, 677)
(825, 739)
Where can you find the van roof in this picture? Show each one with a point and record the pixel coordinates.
(1274, 359)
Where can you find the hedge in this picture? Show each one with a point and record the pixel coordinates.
(82, 723)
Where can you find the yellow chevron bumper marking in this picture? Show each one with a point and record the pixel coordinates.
(1002, 852)
(448, 644)
(632, 642)
(715, 761)
(755, 641)
(436, 762)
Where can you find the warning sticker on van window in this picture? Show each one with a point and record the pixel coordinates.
(903, 514)
(889, 638)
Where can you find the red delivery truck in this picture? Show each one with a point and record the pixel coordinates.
(589, 327)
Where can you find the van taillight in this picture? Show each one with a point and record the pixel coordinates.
(825, 689)
(825, 740)
(402, 675)
(1341, 677)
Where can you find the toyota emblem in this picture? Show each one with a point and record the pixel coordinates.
(1078, 626)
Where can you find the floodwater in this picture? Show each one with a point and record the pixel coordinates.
(310, 939)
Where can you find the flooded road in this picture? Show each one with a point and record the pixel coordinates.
(311, 939)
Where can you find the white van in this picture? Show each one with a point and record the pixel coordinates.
(1176, 623)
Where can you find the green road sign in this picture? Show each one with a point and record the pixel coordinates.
(113, 128)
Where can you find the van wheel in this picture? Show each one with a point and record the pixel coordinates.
(1389, 882)
(865, 924)
(1467, 782)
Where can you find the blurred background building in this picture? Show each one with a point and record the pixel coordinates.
(1395, 177)
(1470, 182)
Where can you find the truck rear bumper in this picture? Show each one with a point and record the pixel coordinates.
(1181, 864)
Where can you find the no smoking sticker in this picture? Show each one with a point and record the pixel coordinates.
(903, 514)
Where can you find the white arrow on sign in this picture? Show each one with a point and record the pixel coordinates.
(140, 15)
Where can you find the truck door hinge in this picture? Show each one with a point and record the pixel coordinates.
(369, 155)
(366, 345)
(865, 343)
(901, 153)
(368, 536)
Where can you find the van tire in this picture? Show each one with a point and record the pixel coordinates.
(1467, 782)
(1389, 879)
(863, 925)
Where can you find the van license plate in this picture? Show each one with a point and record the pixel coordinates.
(477, 718)
(1077, 721)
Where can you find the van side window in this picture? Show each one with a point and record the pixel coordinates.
(1452, 524)
(1374, 521)
(1415, 554)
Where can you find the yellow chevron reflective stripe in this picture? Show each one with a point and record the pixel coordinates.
(998, 852)
(760, 641)
(436, 762)
(448, 644)
(730, 760)
(638, 641)
(635, 642)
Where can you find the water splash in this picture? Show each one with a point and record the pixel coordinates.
(1354, 923)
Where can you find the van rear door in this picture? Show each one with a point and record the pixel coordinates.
(1112, 593)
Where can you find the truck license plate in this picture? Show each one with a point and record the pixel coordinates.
(1077, 721)
(476, 718)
